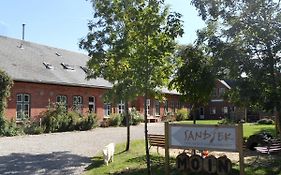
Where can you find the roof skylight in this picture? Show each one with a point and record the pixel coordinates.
(48, 65)
(67, 66)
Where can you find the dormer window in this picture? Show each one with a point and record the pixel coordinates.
(58, 54)
(48, 65)
(67, 66)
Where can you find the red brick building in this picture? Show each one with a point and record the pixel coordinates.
(44, 75)
(218, 107)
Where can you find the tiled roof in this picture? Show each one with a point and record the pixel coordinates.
(31, 62)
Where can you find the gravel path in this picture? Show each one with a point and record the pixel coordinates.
(62, 153)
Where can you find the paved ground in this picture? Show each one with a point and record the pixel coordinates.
(61, 153)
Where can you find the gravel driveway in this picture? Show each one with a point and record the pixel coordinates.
(62, 153)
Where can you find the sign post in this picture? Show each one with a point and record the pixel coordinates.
(204, 137)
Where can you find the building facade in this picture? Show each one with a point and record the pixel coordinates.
(44, 75)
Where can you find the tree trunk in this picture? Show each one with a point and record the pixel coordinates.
(146, 137)
(128, 123)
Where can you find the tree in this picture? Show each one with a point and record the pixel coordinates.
(194, 79)
(245, 37)
(5, 85)
(130, 43)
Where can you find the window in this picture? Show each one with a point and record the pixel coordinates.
(157, 107)
(62, 99)
(179, 106)
(148, 106)
(225, 110)
(121, 107)
(78, 103)
(67, 66)
(23, 106)
(107, 109)
(48, 65)
(213, 110)
(166, 106)
(221, 91)
(92, 104)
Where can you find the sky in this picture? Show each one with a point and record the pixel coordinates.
(62, 23)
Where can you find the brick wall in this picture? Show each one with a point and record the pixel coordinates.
(41, 94)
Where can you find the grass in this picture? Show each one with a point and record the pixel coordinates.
(133, 162)
(248, 128)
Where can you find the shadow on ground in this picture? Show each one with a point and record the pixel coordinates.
(59, 163)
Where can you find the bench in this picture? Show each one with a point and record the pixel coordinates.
(273, 147)
(156, 140)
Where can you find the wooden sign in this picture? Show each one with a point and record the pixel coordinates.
(204, 137)
(211, 137)
(209, 164)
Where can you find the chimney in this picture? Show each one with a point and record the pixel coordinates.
(23, 25)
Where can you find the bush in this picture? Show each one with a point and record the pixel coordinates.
(55, 118)
(88, 122)
(33, 128)
(265, 121)
(136, 117)
(115, 119)
(10, 128)
(182, 114)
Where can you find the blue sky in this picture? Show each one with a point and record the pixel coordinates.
(61, 23)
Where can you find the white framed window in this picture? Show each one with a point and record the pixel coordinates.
(179, 106)
(62, 99)
(92, 104)
(214, 92)
(107, 109)
(213, 110)
(225, 110)
(23, 106)
(157, 107)
(78, 103)
(121, 107)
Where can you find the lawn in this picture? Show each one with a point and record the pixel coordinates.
(248, 128)
(133, 162)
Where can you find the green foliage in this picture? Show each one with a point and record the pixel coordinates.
(57, 119)
(115, 119)
(10, 128)
(88, 122)
(182, 114)
(136, 116)
(244, 38)
(5, 85)
(32, 127)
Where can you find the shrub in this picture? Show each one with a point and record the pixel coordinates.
(88, 122)
(265, 121)
(10, 128)
(182, 114)
(71, 122)
(115, 119)
(55, 118)
(33, 128)
(136, 117)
